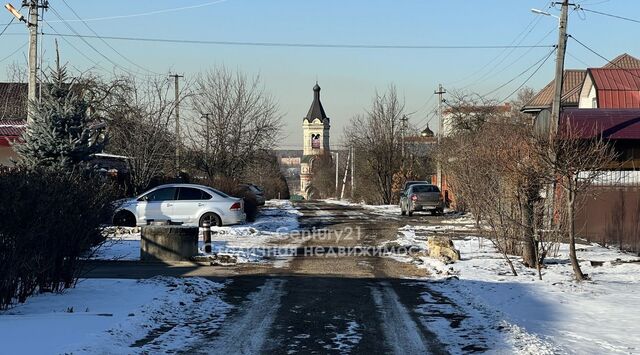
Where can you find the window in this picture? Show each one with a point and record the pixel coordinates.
(425, 188)
(315, 141)
(189, 193)
(217, 192)
(166, 194)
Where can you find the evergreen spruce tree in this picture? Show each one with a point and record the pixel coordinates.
(60, 135)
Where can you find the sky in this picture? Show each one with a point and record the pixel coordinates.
(349, 77)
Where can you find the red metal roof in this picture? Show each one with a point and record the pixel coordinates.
(591, 123)
(11, 130)
(617, 88)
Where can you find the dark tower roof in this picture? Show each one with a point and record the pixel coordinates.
(427, 132)
(316, 110)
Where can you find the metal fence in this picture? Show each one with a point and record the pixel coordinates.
(615, 178)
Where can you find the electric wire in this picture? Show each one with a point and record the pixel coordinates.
(529, 78)
(604, 58)
(303, 45)
(7, 26)
(534, 21)
(155, 12)
(14, 52)
(107, 43)
(543, 59)
(114, 63)
(610, 15)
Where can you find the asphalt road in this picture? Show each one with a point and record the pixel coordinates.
(317, 304)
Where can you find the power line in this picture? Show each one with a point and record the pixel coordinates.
(117, 17)
(610, 15)
(14, 52)
(307, 45)
(107, 43)
(534, 21)
(529, 78)
(543, 59)
(82, 53)
(78, 35)
(603, 57)
(503, 69)
(7, 26)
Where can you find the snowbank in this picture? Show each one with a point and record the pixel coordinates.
(115, 316)
(247, 242)
(522, 314)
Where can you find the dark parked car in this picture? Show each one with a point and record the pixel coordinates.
(421, 197)
(255, 191)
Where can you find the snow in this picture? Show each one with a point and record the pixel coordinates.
(383, 210)
(115, 316)
(522, 314)
(249, 242)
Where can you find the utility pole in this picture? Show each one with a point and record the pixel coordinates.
(346, 170)
(33, 57)
(440, 92)
(337, 173)
(556, 108)
(206, 116)
(404, 120)
(32, 24)
(177, 77)
(353, 166)
(559, 78)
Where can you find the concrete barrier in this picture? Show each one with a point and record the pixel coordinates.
(168, 243)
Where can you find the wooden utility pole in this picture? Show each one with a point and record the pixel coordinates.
(177, 77)
(440, 92)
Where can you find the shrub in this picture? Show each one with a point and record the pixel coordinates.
(48, 222)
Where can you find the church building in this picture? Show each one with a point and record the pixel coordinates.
(315, 132)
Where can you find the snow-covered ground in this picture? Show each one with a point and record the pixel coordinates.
(494, 310)
(103, 316)
(247, 242)
(386, 210)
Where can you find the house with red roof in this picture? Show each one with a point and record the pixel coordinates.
(10, 132)
(573, 80)
(610, 88)
(603, 102)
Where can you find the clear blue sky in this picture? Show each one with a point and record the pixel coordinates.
(348, 77)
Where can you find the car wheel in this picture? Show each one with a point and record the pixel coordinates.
(410, 212)
(124, 219)
(402, 211)
(213, 219)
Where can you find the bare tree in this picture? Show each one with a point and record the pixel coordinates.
(235, 119)
(376, 137)
(140, 128)
(16, 72)
(576, 162)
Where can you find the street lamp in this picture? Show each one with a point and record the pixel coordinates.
(15, 12)
(544, 13)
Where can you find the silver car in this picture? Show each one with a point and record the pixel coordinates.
(186, 204)
(421, 197)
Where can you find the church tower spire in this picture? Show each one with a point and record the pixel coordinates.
(315, 133)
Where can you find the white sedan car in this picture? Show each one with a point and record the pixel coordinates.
(187, 204)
